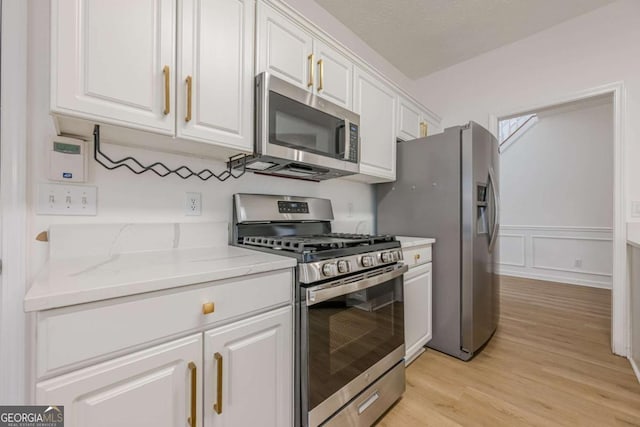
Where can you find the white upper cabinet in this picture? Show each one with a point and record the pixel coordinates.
(215, 72)
(376, 103)
(409, 123)
(286, 50)
(413, 121)
(334, 75)
(176, 67)
(283, 48)
(113, 61)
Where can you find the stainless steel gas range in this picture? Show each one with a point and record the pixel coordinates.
(349, 307)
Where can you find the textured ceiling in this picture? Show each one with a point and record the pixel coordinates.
(423, 36)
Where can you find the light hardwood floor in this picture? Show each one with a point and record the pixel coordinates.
(549, 363)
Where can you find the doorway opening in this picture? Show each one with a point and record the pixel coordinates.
(562, 197)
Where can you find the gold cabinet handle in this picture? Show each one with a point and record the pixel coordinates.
(194, 379)
(416, 257)
(310, 82)
(321, 74)
(188, 80)
(423, 129)
(167, 88)
(217, 359)
(208, 308)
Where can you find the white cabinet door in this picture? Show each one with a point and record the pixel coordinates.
(254, 358)
(283, 48)
(334, 75)
(149, 388)
(417, 310)
(215, 64)
(375, 101)
(113, 61)
(409, 120)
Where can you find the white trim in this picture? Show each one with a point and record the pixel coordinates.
(13, 141)
(553, 278)
(523, 240)
(620, 309)
(635, 368)
(556, 228)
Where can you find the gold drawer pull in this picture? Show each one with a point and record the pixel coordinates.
(208, 308)
(321, 73)
(194, 379)
(188, 80)
(310, 82)
(167, 88)
(217, 359)
(416, 257)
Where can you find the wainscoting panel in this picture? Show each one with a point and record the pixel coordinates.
(512, 250)
(575, 255)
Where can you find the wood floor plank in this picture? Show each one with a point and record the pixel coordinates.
(549, 364)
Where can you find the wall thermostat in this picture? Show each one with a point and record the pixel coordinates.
(67, 159)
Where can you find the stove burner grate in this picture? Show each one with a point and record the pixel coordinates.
(315, 243)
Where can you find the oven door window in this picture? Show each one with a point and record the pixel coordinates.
(350, 333)
(298, 126)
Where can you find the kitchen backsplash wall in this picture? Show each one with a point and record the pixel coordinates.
(127, 198)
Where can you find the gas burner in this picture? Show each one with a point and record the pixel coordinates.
(316, 243)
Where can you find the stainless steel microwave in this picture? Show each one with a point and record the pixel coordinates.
(301, 135)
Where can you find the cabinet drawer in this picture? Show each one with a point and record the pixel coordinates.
(70, 335)
(417, 255)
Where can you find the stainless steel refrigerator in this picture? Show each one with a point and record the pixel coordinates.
(447, 187)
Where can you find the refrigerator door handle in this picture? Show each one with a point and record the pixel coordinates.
(496, 210)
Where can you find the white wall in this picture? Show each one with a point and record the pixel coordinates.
(560, 172)
(124, 197)
(591, 50)
(556, 196)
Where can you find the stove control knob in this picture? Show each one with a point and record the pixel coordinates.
(398, 255)
(343, 266)
(387, 256)
(329, 269)
(366, 261)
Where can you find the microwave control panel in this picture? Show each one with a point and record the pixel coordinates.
(353, 143)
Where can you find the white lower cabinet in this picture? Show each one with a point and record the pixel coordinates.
(417, 310)
(147, 388)
(249, 371)
(238, 355)
(418, 299)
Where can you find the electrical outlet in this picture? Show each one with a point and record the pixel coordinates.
(635, 209)
(64, 199)
(577, 263)
(193, 204)
(350, 209)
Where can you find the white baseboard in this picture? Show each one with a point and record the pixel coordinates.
(635, 368)
(553, 278)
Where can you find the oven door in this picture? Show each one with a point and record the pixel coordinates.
(355, 333)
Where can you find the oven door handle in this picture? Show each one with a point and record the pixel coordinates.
(320, 295)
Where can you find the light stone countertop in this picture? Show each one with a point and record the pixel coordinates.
(93, 262)
(410, 242)
(73, 281)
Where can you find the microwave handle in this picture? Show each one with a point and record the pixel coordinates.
(320, 295)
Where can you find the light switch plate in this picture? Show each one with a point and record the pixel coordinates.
(65, 199)
(635, 209)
